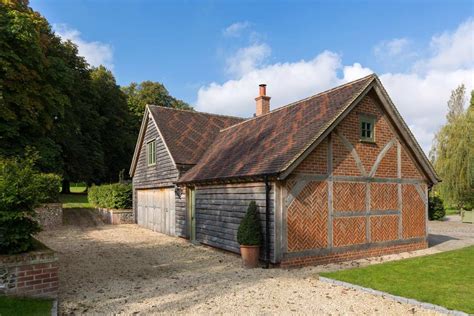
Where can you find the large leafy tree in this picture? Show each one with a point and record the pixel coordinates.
(115, 129)
(149, 92)
(30, 99)
(453, 152)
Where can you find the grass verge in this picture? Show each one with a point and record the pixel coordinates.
(75, 200)
(445, 279)
(24, 306)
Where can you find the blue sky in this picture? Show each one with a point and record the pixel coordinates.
(212, 54)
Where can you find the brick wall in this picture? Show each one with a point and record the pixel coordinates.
(348, 195)
(351, 255)
(33, 274)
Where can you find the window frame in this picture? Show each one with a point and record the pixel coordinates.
(151, 153)
(367, 118)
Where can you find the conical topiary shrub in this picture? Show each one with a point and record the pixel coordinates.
(250, 233)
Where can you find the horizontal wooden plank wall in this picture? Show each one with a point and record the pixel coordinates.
(164, 172)
(180, 215)
(220, 208)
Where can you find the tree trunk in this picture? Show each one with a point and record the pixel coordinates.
(66, 187)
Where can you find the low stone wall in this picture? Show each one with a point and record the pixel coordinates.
(50, 216)
(31, 274)
(116, 216)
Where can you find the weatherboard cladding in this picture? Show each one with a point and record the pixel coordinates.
(220, 209)
(268, 143)
(164, 172)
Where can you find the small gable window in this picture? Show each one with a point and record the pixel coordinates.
(151, 153)
(367, 128)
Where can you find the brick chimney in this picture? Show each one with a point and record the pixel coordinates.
(263, 101)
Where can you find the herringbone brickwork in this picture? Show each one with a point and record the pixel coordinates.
(349, 231)
(383, 196)
(413, 212)
(307, 218)
(349, 196)
(388, 165)
(384, 228)
(409, 169)
(316, 162)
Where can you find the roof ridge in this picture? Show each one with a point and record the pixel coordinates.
(196, 112)
(302, 100)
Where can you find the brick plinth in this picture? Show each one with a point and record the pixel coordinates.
(351, 255)
(32, 274)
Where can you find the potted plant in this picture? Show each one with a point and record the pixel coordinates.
(249, 236)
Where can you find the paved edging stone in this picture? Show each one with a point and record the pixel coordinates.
(400, 299)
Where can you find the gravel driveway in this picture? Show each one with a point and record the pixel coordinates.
(128, 269)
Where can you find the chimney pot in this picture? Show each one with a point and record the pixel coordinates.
(263, 101)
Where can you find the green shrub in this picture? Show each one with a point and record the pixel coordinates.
(249, 232)
(18, 196)
(435, 208)
(117, 195)
(48, 187)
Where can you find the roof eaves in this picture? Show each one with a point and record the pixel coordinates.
(138, 145)
(300, 101)
(162, 138)
(418, 150)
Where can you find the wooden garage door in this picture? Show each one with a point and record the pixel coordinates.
(156, 210)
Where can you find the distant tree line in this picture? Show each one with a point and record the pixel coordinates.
(79, 121)
(453, 152)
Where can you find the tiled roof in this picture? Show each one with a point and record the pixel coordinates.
(267, 144)
(189, 134)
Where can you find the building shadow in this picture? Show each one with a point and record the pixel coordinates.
(435, 239)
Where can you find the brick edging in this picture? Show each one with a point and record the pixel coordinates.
(399, 299)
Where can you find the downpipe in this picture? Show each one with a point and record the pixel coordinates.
(268, 188)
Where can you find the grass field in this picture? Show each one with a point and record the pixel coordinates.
(24, 306)
(78, 187)
(452, 211)
(74, 200)
(445, 279)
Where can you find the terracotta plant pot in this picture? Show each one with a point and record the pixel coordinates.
(250, 256)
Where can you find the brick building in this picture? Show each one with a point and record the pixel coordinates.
(336, 176)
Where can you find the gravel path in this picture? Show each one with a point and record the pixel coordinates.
(128, 269)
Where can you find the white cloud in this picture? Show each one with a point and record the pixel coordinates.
(248, 58)
(96, 53)
(287, 82)
(420, 94)
(451, 50)
(391, 48)
(234, 30)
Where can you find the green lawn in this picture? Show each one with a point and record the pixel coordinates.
(24, 306)
(78, 187)
(74, 200)
(452, 211)
(445, 279)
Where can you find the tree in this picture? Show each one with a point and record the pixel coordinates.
(149, 92)
(453, 152)
(29, 101)
(117, 134)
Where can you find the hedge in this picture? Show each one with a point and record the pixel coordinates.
(18, 196)
(116, 195)
(48, 187)
(436, 209)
